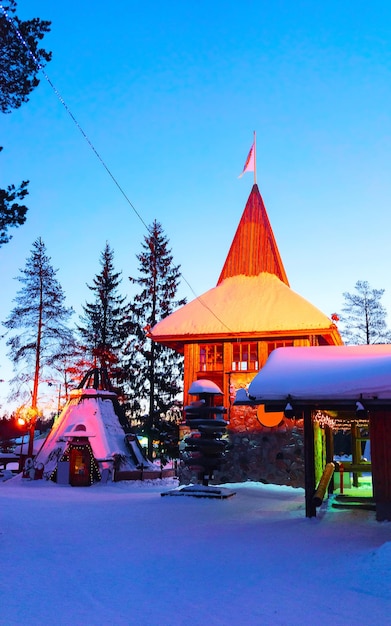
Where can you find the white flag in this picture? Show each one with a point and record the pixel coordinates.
(250, 161)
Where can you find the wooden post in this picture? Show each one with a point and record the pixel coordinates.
(356, 450)
(380, 429)
(330, 454)
(341, 471)
(309, 464)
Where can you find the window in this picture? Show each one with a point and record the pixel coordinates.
(244, 356)
(272, 345)
(211, 357)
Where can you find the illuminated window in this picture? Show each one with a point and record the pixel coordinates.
(211, 357)
(244, 356)
(272, 345)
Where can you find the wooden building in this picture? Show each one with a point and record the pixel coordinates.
(227, 334)
(350, 383)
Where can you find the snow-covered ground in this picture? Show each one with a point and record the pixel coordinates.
(121, 554)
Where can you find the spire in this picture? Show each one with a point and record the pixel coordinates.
(254, 249)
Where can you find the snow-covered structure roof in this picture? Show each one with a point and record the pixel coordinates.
(204, 386)
(331, 375)
(93, 409)
(252, 296)
(241, 305)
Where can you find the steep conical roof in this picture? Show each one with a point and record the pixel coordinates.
(253, 249)
(252, 296)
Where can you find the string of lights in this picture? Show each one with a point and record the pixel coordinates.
(324, 419)
(95, 151)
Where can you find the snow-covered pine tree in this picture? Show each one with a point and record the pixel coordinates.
(364, 316)
(105, 324)
(154, 371)
(37, 325)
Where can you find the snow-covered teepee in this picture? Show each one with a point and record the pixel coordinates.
(87, 443)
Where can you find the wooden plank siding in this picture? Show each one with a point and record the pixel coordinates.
(253, 253)
(254, 249)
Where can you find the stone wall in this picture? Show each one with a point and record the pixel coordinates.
(270, 455)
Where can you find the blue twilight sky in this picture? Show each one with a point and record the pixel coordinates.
(169, 93)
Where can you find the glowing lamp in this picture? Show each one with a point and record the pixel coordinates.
(289, 411)
(360, 410)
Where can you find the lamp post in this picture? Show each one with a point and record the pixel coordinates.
(32, 419)
(51, 384)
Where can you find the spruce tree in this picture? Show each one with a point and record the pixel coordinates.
(12, 213)
(70, 368)
(105, 323)
(21, 59)
(37, 325)
(364, 318)
(154, 371)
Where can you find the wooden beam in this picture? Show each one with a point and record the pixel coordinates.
(330, 454)
(309, 464)
(380, 429)
(323, 484)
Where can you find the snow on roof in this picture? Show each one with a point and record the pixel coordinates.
(324, 373)
(204, 385)
(243, 304)
(94, 410)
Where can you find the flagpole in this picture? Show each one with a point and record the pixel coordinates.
(255, 158)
